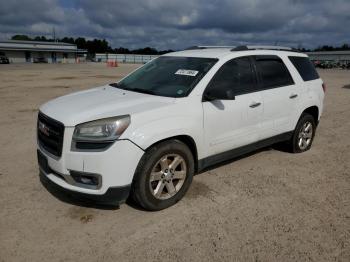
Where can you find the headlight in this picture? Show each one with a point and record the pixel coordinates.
(106, 129)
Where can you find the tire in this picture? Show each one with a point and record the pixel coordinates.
(165, 167)
(303, 134)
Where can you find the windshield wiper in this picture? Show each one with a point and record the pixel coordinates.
(114, 84)
(118, 85)
(140, 90)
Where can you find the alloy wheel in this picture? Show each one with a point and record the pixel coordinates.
(167, 176)
(305, 135)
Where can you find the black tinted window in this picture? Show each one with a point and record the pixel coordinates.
(273, 72)
(235, 75)
(305, 68)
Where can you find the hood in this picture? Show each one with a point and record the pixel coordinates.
(101, 102)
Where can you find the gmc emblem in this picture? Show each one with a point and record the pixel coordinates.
(43, 128)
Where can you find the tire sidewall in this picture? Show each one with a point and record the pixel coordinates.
(304, 118)
(142, 176)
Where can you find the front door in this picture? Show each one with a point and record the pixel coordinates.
(230, 124)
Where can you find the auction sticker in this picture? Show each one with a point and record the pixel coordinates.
(186, 72)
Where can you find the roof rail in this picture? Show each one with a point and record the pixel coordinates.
(217, 46)
(193, 47)
(246, 47)
(208, 47)
(263, 47)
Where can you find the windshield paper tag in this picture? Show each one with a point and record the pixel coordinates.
(186, 72)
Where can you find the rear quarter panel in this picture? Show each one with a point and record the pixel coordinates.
(310, 92)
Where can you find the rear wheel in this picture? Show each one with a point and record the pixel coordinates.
(303, 134)
(163, 175)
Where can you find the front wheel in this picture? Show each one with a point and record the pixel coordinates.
(163, 175)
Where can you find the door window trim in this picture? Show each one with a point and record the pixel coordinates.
(254, 75)
(258, 74)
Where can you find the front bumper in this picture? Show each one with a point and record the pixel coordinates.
(116, 167)
(113, 195)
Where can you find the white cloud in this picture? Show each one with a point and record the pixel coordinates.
(176, 24)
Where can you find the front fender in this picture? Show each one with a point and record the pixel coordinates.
(148, 134)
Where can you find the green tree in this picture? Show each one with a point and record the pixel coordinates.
(40, 38)
(80, 42)
(21, 37)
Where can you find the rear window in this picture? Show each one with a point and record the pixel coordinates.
(305, 68)
(273, 72)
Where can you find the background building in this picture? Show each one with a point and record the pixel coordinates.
(124, 58)
(331, 56)
(323, 56)
(41, 52)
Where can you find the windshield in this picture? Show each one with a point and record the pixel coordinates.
(168, 76)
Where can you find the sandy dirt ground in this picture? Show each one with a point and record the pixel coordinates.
(268, 206)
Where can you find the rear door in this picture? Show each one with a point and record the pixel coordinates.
(279, 94)
(230, 124)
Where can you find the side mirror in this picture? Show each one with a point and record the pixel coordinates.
(230, 95)
(227, 95)
(208, 97)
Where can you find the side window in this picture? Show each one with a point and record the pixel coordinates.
(273, 72)
(305, 68)
(236, 75)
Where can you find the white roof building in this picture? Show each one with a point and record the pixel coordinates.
(35, 51)
(330, 56)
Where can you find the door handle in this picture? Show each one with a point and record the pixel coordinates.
(255, 104)
(293, 96)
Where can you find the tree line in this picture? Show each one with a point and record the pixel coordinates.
(333, 48)
(94, 46)
(102, 46)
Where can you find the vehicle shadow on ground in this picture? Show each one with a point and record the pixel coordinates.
(72, 200)
(279, 147)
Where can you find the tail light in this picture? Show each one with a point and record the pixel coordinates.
(324, 87)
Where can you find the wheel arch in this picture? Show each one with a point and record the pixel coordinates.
(313, 111)
(188, 141)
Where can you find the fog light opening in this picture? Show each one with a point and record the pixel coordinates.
(86, 180)
(89, 180)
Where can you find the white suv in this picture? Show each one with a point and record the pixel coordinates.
(147, 135)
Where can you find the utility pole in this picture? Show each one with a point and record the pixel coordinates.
(54, 34)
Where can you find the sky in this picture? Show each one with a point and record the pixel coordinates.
(176, 24)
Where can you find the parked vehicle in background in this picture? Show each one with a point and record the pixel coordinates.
(147, 135)
(332, 64)
(3, 58)
(345, 65)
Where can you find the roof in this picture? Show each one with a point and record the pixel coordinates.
(17, 45)
(221, 52)
(207, 53)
